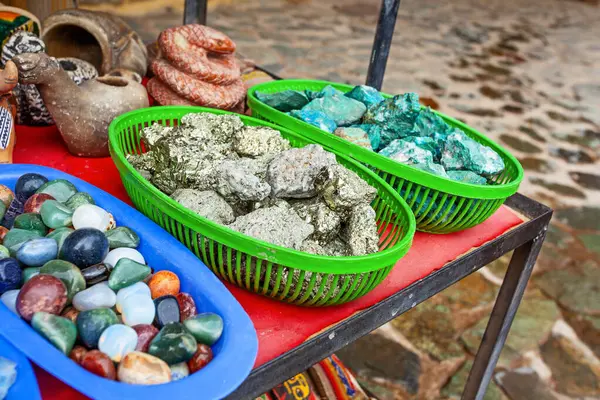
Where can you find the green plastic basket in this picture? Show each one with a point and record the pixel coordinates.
(281, 273)
(440, 205)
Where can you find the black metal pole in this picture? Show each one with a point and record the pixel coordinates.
(382, 43)
(194, 12)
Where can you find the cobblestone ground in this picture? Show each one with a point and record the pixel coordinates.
(527, 73)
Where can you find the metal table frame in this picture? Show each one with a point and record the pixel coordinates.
(525, 239)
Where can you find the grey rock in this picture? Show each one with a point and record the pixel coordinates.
(255, 141)
(312, 247)
(236, 179)
(207, 204)
(292, 173)
(222, 128)
(360, 232)
(151, 134)
(342, 189)
(325, 221)
(337, 248)
(142, 162)
(279, 225)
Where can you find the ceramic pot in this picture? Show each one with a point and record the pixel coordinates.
(103, 40)
(81, 113)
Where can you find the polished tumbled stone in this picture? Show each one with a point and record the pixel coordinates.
(31, 222)
(117, 340)
(59, 331)
(127, 272)
(138, 309)
(28, 184)
(9, 298)
(143, 369)
(60, 235)
(60, 189)
(96, 273)
(91, 216)
(92, 323)
(10, 275)
(79, 199)
(179, 371)
(56, 215)
(167, 310)
(41, 293)
(123, 252)
(97, 296)
(122, 237)
(206, 328)
(85, 247)
(137, 288)
(15, 238)
(99, 364)
(29, 273)
(173, 344)
(37, 252)
(68, 273)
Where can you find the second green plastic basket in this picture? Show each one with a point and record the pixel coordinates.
(440, 205)
(274, 271)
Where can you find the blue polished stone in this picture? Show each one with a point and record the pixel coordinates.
(167, 310)
(28, 184)
(13, 211)
(85, 247)
(10, 274)
(37, 252)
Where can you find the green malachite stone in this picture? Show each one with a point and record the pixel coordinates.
(122, 236)
(2, 210)
(4, 252)
(59, 331)
(206, 328)
(60, 189)
(126, 273)
(79, 199)
(91, 324)
(16, 237)
(29, 273)
(173, 344)
(60, 235)
(56, 215)
(68, 273)
(31, 222)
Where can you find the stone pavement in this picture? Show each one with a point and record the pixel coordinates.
(527, 73)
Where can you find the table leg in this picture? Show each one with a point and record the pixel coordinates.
(505, 308)
(382, 42)
(194, 12)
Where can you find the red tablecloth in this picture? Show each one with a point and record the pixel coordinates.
(280, 326)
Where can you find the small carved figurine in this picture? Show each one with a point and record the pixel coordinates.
(82, 113)
(9, 77)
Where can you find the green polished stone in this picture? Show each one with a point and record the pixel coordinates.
(79, 199)
(31, 222)
(126, 273)
(173, 344)
(4, 252)
(16, 237)
(68, 273)
(60, 235)
(29, 273)
(55, 214)
(59, 331)
(60, 189)
(2, 210)
(91, 324)
(122, 236)
(206, 328)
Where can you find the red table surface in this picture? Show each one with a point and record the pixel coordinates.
(280, 327)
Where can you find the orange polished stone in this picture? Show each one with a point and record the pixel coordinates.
(201, 358)
(3, 232)
(78, 353)
(70, 313)
(100, 364)
(164, 283)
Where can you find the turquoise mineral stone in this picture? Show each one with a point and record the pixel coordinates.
(354, 135)
(31, 222)
(285, 101)
(365, 94)
(467, 177)
(343, 110)
(329, 91)
(79, 199)
(173, 344)
(59, 235)
(426, 143)
(60, 189)
(396, 114)
(316, 118)
(433, 168)
(374, 133)
(463, 153)
(407, 153)
(55, 214)
(15, 238)
(59, 331)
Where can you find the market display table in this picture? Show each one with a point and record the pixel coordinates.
(293, 338)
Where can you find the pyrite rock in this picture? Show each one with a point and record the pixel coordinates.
(361, 231)
(207, 204)
(342, 189)
(255, 141)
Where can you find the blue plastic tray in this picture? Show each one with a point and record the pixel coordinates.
(25, 387)
(234, 353)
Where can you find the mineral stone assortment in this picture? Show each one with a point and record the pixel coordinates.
(250, 179)
(395, 127)
(81, 283)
